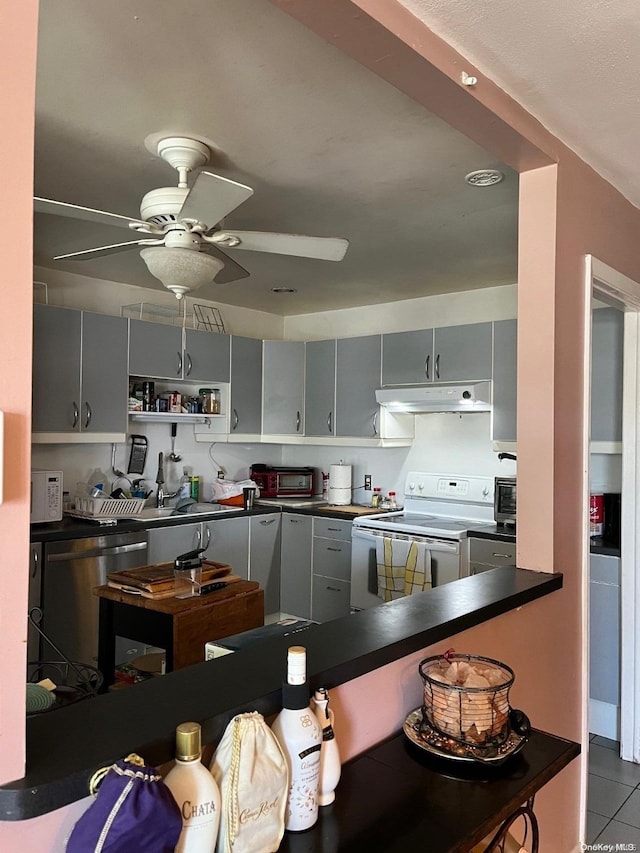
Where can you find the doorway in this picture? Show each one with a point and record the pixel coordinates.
(622, 294)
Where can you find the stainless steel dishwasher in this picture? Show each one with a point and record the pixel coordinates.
(70, 571)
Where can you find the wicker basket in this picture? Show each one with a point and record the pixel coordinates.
(471, 715)
(108, 507)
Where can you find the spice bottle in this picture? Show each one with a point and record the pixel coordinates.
(392, 501)
(376, 497)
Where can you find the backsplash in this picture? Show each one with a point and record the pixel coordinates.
(446, 443)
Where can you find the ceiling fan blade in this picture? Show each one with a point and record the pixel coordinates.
(75, 211)
(212, 197)
(88, 254)
(323, 248)
(231, 270)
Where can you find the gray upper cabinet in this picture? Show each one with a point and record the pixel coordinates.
(283, 388)
(505, 380)
(264, 558)
(206, 356)
(357, 378)
(79, 371)
(246, 386)
(155, 349)
(407, 358)
(320, 388)
(462, 353)
(607, 331)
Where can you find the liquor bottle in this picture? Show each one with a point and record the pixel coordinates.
(297, 730)
(196, 793)
(330, 768)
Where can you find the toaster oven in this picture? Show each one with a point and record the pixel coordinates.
(284, 482)
(504, 501)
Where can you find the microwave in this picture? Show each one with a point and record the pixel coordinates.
(284, 482)
(46, 496)
(504, 501)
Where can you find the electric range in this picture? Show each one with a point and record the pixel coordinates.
(438, 511)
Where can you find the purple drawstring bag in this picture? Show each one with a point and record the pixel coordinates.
(134, 812)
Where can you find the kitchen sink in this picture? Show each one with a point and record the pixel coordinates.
(157, 513)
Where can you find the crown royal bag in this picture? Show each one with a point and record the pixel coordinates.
(251, 772)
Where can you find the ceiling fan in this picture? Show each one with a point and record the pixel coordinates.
(181, 230)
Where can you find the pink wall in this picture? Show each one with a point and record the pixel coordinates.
(17, 70)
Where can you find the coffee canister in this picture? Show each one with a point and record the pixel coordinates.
(596, 513)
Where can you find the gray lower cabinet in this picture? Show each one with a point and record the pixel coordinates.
(604, 631)
(166, 543)
(230, 543)
(283, 388)
(246, 386)
(505, 380)
(331, 560)
(485, 554)
(264, 558)
(320, 388)
(79, 371)
(295, 564)
(607, 334)
(357, 379)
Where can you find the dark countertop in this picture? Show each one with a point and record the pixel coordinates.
(419, 802)
(597, 545)
(66, 746)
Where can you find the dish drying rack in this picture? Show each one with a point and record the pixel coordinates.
(106, 510)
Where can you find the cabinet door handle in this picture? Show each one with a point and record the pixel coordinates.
(506, 556)
(267, 521)
(198, 536)
(335, 529)
(426, 366)
(179, 369)
(35, 557)
(87, 420)
(235, 420)
(329, 422)
(437, 366)
(76, 415)
(293, 521)
(333, 588)
(189, 364)
(375, 424)
(208, 532)
(333, 549)
(297, 421)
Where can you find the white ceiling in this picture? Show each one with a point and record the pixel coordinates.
(574, 65)
(329, 148)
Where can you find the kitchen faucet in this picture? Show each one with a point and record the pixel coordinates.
(161, 495)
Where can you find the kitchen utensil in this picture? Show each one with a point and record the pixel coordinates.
(173, 456)
(138, 455)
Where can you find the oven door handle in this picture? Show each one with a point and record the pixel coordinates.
(434, 543)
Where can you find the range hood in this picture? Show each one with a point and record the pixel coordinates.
(452, 397)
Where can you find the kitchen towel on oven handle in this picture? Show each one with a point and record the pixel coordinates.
(403, 567)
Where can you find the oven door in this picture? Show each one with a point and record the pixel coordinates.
(446, 562)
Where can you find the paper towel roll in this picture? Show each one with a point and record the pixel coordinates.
(340, 476)
(339, 497)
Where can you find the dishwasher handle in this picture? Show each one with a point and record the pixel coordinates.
(96, 552)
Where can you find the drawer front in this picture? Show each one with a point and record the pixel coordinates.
(330, 599)
(476, 568)
(332, 558)
(492, 551)
(332, 528)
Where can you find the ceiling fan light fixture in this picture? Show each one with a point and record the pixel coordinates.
(181, 270)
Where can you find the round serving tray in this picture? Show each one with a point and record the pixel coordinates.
(420, 733)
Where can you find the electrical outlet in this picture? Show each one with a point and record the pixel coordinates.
(367, 482)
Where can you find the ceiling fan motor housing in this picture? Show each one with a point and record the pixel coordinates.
(163, 205)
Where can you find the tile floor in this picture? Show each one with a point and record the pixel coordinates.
(613, 803)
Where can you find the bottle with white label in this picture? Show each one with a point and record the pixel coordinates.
(298, 732)
(196, 793)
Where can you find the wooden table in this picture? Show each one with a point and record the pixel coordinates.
(180, 626)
